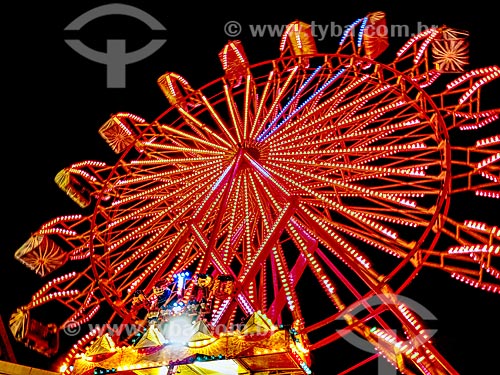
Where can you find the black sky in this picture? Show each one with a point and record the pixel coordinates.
(55, 101)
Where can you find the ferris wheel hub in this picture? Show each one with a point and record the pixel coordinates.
(253, 152)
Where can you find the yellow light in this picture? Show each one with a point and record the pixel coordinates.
(222, 367)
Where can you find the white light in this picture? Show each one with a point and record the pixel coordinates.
(222, 367)
(178, 330)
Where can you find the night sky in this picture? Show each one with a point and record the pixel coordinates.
(55, 100)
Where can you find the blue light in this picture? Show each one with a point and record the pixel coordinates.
(323, 87)
(259, 168)
(269, 129)
(348, 30)
(361, 31)
(219, 180)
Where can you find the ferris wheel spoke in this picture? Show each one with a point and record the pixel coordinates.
(219, 121)
(260, 105)
(188, 137)
(275, 95)
(249, 101)
(180, 148)
(198, 125)
(234, 114)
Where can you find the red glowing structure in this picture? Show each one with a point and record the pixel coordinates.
(321, 179)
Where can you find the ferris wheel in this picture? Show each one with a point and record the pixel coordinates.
(315, 179)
